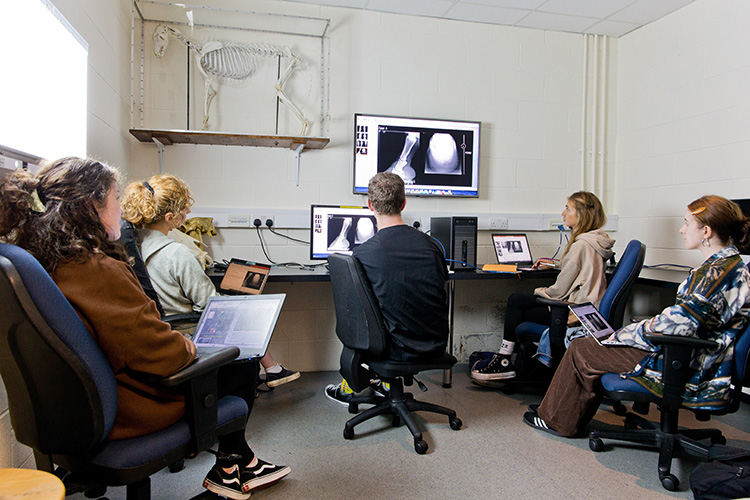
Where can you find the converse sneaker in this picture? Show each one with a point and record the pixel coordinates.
(500, 368)
(336, 394)
(282, 377)
(225, 483)
(380, 388)
(262, 474)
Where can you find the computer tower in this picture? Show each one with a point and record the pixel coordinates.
(458, 235)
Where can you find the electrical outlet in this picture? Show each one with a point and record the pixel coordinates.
(555, 223)
(264, 218)
(238, 220)
(498, 223)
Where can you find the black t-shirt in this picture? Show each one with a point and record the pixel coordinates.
(408, 272)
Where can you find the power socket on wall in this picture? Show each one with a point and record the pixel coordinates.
(498, 223)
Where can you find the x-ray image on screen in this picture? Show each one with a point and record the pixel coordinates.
(397, 151)
(347, 232)
(445, 155)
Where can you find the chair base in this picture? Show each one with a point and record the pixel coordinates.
(641, 431)
(399, 405)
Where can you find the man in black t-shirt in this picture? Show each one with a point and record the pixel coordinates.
(408, 272)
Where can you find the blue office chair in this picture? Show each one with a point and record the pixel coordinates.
(667, 436)
(360, 327)
(62, 394)
(612, 307)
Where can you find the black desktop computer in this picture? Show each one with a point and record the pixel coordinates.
(458, 235)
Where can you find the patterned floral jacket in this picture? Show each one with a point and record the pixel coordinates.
(714, 304)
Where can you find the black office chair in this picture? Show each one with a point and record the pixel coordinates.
(612, 307)
(360, 327)
(62, 394)
(667, 436)
(128, 239)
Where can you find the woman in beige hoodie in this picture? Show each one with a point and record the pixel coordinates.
(581, 279)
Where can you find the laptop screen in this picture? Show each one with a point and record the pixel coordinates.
(512, 249)
(245, 277)
(244, 321)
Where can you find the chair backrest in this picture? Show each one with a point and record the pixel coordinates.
(742, 359)
(359, 322)
(62, 394)
(612, 305)
(128, 239)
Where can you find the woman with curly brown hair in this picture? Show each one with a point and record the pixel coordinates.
(68, 217)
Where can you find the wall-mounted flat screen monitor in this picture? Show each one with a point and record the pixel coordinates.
(434, 157)
(339, 229)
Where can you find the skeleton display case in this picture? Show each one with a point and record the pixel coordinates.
(219, 75)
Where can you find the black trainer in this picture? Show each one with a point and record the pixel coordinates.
(225, 483)
(336, 394)
(282, 377)
(500, 368)
(262, 474)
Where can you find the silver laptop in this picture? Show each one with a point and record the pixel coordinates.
(594, 323)
(513, 249)
(244, 321)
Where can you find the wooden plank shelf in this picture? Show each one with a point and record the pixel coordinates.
(169, 137)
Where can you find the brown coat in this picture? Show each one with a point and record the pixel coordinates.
(138, 345)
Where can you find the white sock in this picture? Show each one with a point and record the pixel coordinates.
(274, 369)
(507, 347)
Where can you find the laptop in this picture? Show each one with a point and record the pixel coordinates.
(244, 277)
(594, 323)
(513, 249)
(244, 321)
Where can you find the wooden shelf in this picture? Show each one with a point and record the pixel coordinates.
(168, 137)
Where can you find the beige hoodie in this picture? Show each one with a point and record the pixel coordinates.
(581, 277)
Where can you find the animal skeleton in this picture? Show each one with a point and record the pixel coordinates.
(233, 61)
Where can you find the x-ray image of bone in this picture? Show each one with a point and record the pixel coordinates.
(364, 230)
(252, 280)
(443, 156)
(402, 166)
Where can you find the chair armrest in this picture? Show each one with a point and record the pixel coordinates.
(677, 351)
(181, 318)
(677, 340)
(553, 302)
(201, 366)
(199, 383)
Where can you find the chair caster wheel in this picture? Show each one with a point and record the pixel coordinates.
(456, 423)
(353, 408)
(177, 466)
(421, 447)
(348, 433)
(596, 444)
(718, 440)
(670, 482)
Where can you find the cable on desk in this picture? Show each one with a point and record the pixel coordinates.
(561, 227)
(288, 237)
(666, 266)
(263, 246)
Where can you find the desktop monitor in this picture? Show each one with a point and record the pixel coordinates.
(434, 157)
(339, 229)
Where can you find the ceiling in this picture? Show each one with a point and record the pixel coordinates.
(602, 17)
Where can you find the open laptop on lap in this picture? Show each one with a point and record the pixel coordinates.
(594, 323)
(244, 321)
